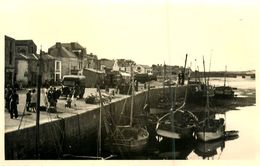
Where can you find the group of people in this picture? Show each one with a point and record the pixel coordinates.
(31, 99)
(11, 101)
(72, 96)
(50, 98)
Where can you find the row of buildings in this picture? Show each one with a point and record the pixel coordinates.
(21, 61)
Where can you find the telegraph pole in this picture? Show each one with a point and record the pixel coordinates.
(39, 81)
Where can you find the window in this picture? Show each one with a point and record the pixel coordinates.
(58, 66)
(10, 57)
(10, 53)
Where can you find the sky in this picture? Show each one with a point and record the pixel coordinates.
(225, 32)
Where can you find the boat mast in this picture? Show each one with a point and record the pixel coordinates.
(225, 76)
(132, 95)
(198, 73)
(209, 70)
(186, 92)
(183, 73)
(206, 86)
(99, 123)
(164, 73)
(195, 72)
(204, 73)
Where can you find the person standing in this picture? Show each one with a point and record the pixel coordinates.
(8, 93)
(28, 100)
(74, 96)
(44, 93)
(14, 100)
(33, 100)
(50, 96)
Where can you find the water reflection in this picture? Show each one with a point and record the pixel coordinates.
(181, 149)
(175, 149)
(210, 150)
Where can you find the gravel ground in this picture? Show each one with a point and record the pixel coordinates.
(245, 97)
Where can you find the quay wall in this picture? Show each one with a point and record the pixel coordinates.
(76, 134)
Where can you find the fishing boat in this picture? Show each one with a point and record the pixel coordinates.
(212, 127)
(177, 123)
(211, 149)
(125, 139)
(224, 91)
(197, 92)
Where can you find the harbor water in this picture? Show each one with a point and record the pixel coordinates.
(242, 118)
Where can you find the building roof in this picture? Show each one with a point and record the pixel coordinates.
(90, 56)
(8, 38)
(75, 45)
(26, 57)
(144, 66)
(23, 42)
(62, 53)
(107, 62)
(48, 57)
(67, 53)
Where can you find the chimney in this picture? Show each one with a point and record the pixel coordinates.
(73, 45)
(58, 45)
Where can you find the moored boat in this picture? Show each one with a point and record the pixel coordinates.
(127, 139)
(224, 91)
(177, 123)
(211, 148)
(211, 127)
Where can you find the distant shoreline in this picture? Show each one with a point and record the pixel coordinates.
(250, 74)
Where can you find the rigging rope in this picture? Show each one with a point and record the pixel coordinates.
(22, 117)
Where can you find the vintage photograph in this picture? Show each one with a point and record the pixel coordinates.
(130, 80)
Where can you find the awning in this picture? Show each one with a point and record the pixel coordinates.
(125, 74)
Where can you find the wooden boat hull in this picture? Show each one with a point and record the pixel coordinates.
(209, 136)
(175, 125)
(127, 145)
(224, 91)
(211, 132)
(197, 93)
(133, 146)
(173, 134)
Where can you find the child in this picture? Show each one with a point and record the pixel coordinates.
(68, 102)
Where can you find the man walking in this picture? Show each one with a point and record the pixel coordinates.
(28, 100)
(14, 100)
